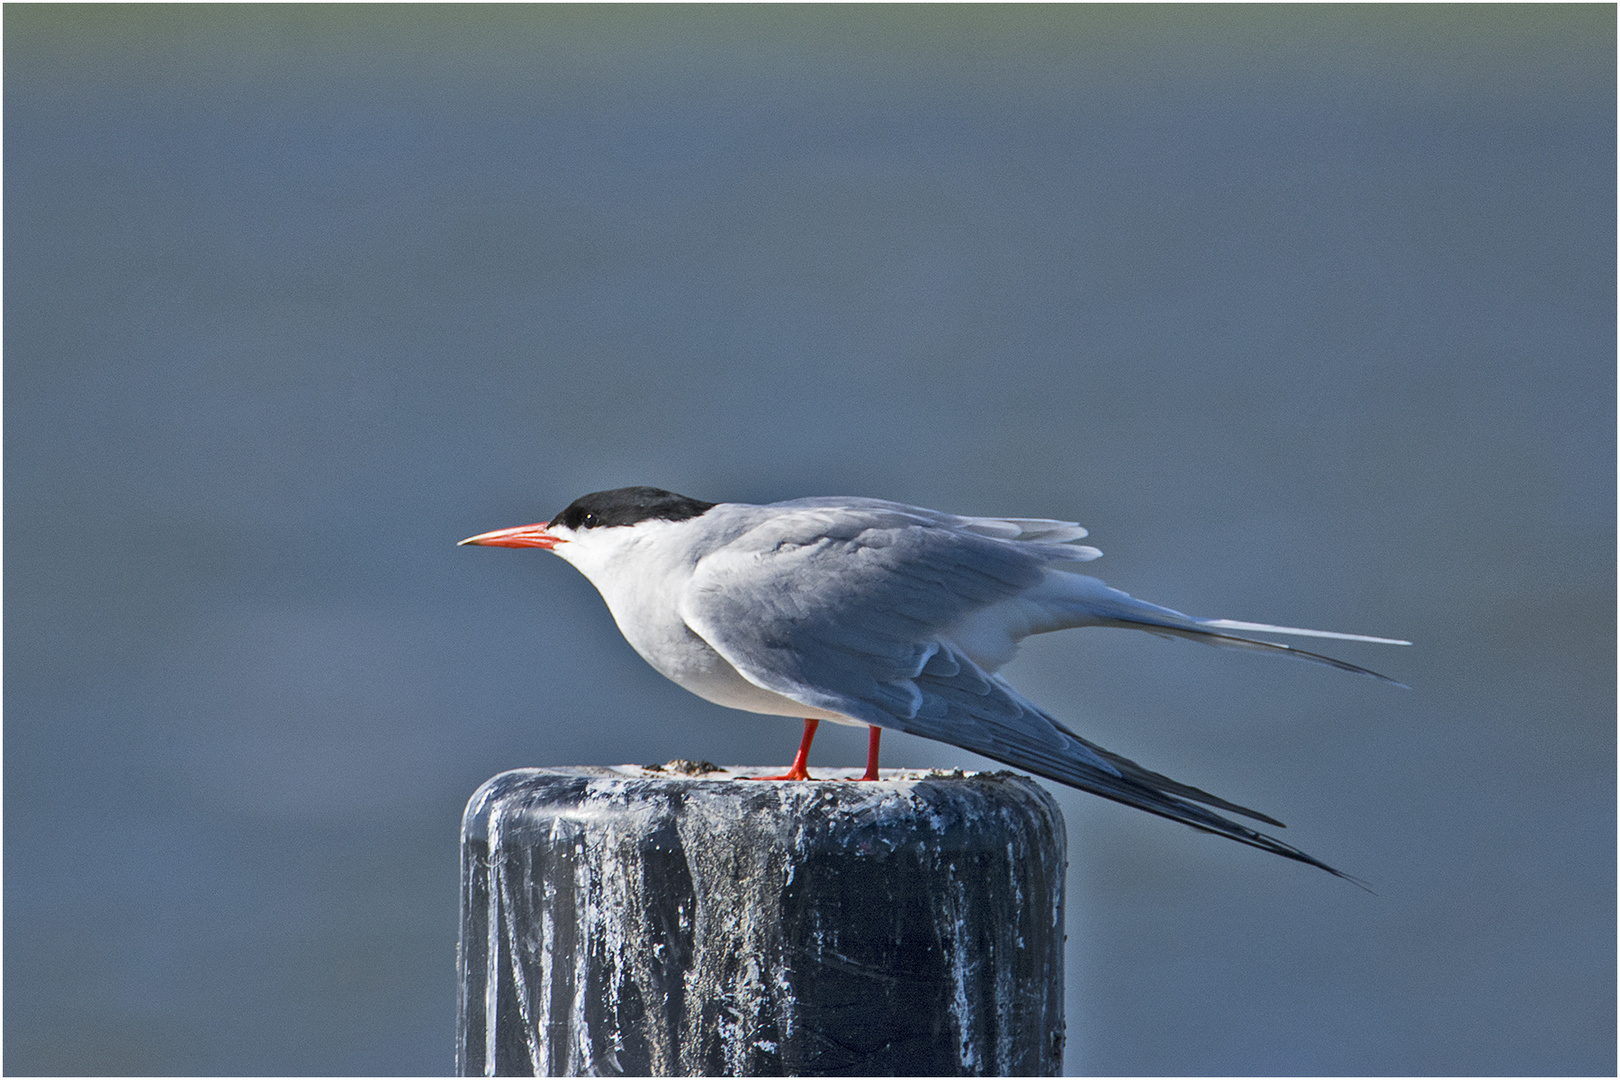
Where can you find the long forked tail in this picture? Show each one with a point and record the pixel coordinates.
(1212, 632)
(1100, 605)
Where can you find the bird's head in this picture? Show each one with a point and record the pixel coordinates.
(596, 515)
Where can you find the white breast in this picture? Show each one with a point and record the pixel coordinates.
(641, 571)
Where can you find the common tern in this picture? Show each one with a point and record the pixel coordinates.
(862, 611)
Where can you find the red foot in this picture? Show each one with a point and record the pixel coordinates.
(872, 753)
(798, 771)
(792, 774)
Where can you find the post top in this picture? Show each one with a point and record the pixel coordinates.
(572, 790)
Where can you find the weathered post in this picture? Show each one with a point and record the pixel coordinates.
(681, 920)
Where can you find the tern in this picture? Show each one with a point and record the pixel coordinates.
(862, 611)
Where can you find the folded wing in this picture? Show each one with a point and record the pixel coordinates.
(844, 611)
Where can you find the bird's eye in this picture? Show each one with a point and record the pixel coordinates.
(590, 521)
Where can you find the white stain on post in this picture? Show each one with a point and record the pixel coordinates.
(628, 920)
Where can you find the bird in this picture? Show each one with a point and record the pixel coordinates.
(864, 611)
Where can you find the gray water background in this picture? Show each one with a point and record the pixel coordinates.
(1309, 314)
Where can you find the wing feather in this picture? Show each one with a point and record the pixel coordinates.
(846, 616)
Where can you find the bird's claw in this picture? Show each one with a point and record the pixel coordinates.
(794, 774)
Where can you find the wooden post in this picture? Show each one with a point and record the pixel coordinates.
(670, 921)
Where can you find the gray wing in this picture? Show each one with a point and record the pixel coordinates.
(1055, 537)
(843, 609)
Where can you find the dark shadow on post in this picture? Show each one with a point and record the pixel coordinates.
(630, 921)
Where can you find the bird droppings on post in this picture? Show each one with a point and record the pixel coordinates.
(644, 920)
(682, 767)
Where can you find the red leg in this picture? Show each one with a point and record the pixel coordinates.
(872, 752)
(798, 771)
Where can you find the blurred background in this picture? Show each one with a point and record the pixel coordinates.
(1308, 313)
